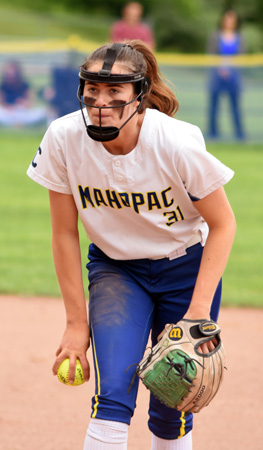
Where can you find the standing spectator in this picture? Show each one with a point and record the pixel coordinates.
(226, 79)
(132, 27)
(17, 99)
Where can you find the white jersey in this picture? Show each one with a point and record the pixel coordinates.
(138, 205)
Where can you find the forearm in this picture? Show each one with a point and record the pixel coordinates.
(214, 259)
(67, 260)
(216, 211)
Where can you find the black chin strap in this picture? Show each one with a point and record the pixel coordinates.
(105, 134)
(102, 134)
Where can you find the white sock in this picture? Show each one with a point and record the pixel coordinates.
(184, 443)
(106, 435)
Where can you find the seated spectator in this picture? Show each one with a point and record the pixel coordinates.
(131, 26)
(17, 100)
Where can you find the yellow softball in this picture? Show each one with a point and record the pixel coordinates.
(63, 373)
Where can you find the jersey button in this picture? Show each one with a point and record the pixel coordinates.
(118, 163)
(120, 177)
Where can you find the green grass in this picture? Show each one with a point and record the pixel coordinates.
(243, 281)
(26, 264)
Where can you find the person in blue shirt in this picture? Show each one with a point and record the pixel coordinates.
(17, 102)
(226, 78)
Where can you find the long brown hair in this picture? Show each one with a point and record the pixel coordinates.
(136, 56)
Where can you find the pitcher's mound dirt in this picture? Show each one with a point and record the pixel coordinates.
(39, 413)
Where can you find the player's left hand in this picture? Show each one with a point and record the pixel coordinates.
(207, 347)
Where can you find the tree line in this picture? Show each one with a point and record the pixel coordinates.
(179, 25)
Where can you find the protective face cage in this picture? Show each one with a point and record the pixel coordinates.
(100, 133)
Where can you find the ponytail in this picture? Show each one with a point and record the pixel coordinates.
(159, 95)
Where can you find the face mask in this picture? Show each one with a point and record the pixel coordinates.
(100, 133)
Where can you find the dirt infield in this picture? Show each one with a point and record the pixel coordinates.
(39, 413)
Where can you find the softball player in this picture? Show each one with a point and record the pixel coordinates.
(152, 202)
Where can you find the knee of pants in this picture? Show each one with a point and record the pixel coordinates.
(115, 403)
(168, 423)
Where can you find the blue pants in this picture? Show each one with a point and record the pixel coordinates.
(127, 300)
(231, 88)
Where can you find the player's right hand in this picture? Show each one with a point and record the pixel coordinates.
(74, 345)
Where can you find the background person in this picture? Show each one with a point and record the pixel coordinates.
(132, 27)
(152, 202)
(61, 95)
(226, 79)
(17, 99)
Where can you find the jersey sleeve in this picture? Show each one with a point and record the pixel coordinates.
(200, 171)
(48, 167)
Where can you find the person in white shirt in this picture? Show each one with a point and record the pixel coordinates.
(152, 202)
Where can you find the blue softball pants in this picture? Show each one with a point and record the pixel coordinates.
(128, 300)
(232, 88)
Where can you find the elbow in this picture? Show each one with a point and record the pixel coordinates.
(226, 228)
(230, 226)
(230, 230)
(233, 224)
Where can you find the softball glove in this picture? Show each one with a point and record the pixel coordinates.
(174, 370)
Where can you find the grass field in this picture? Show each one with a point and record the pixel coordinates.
(26, 264)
